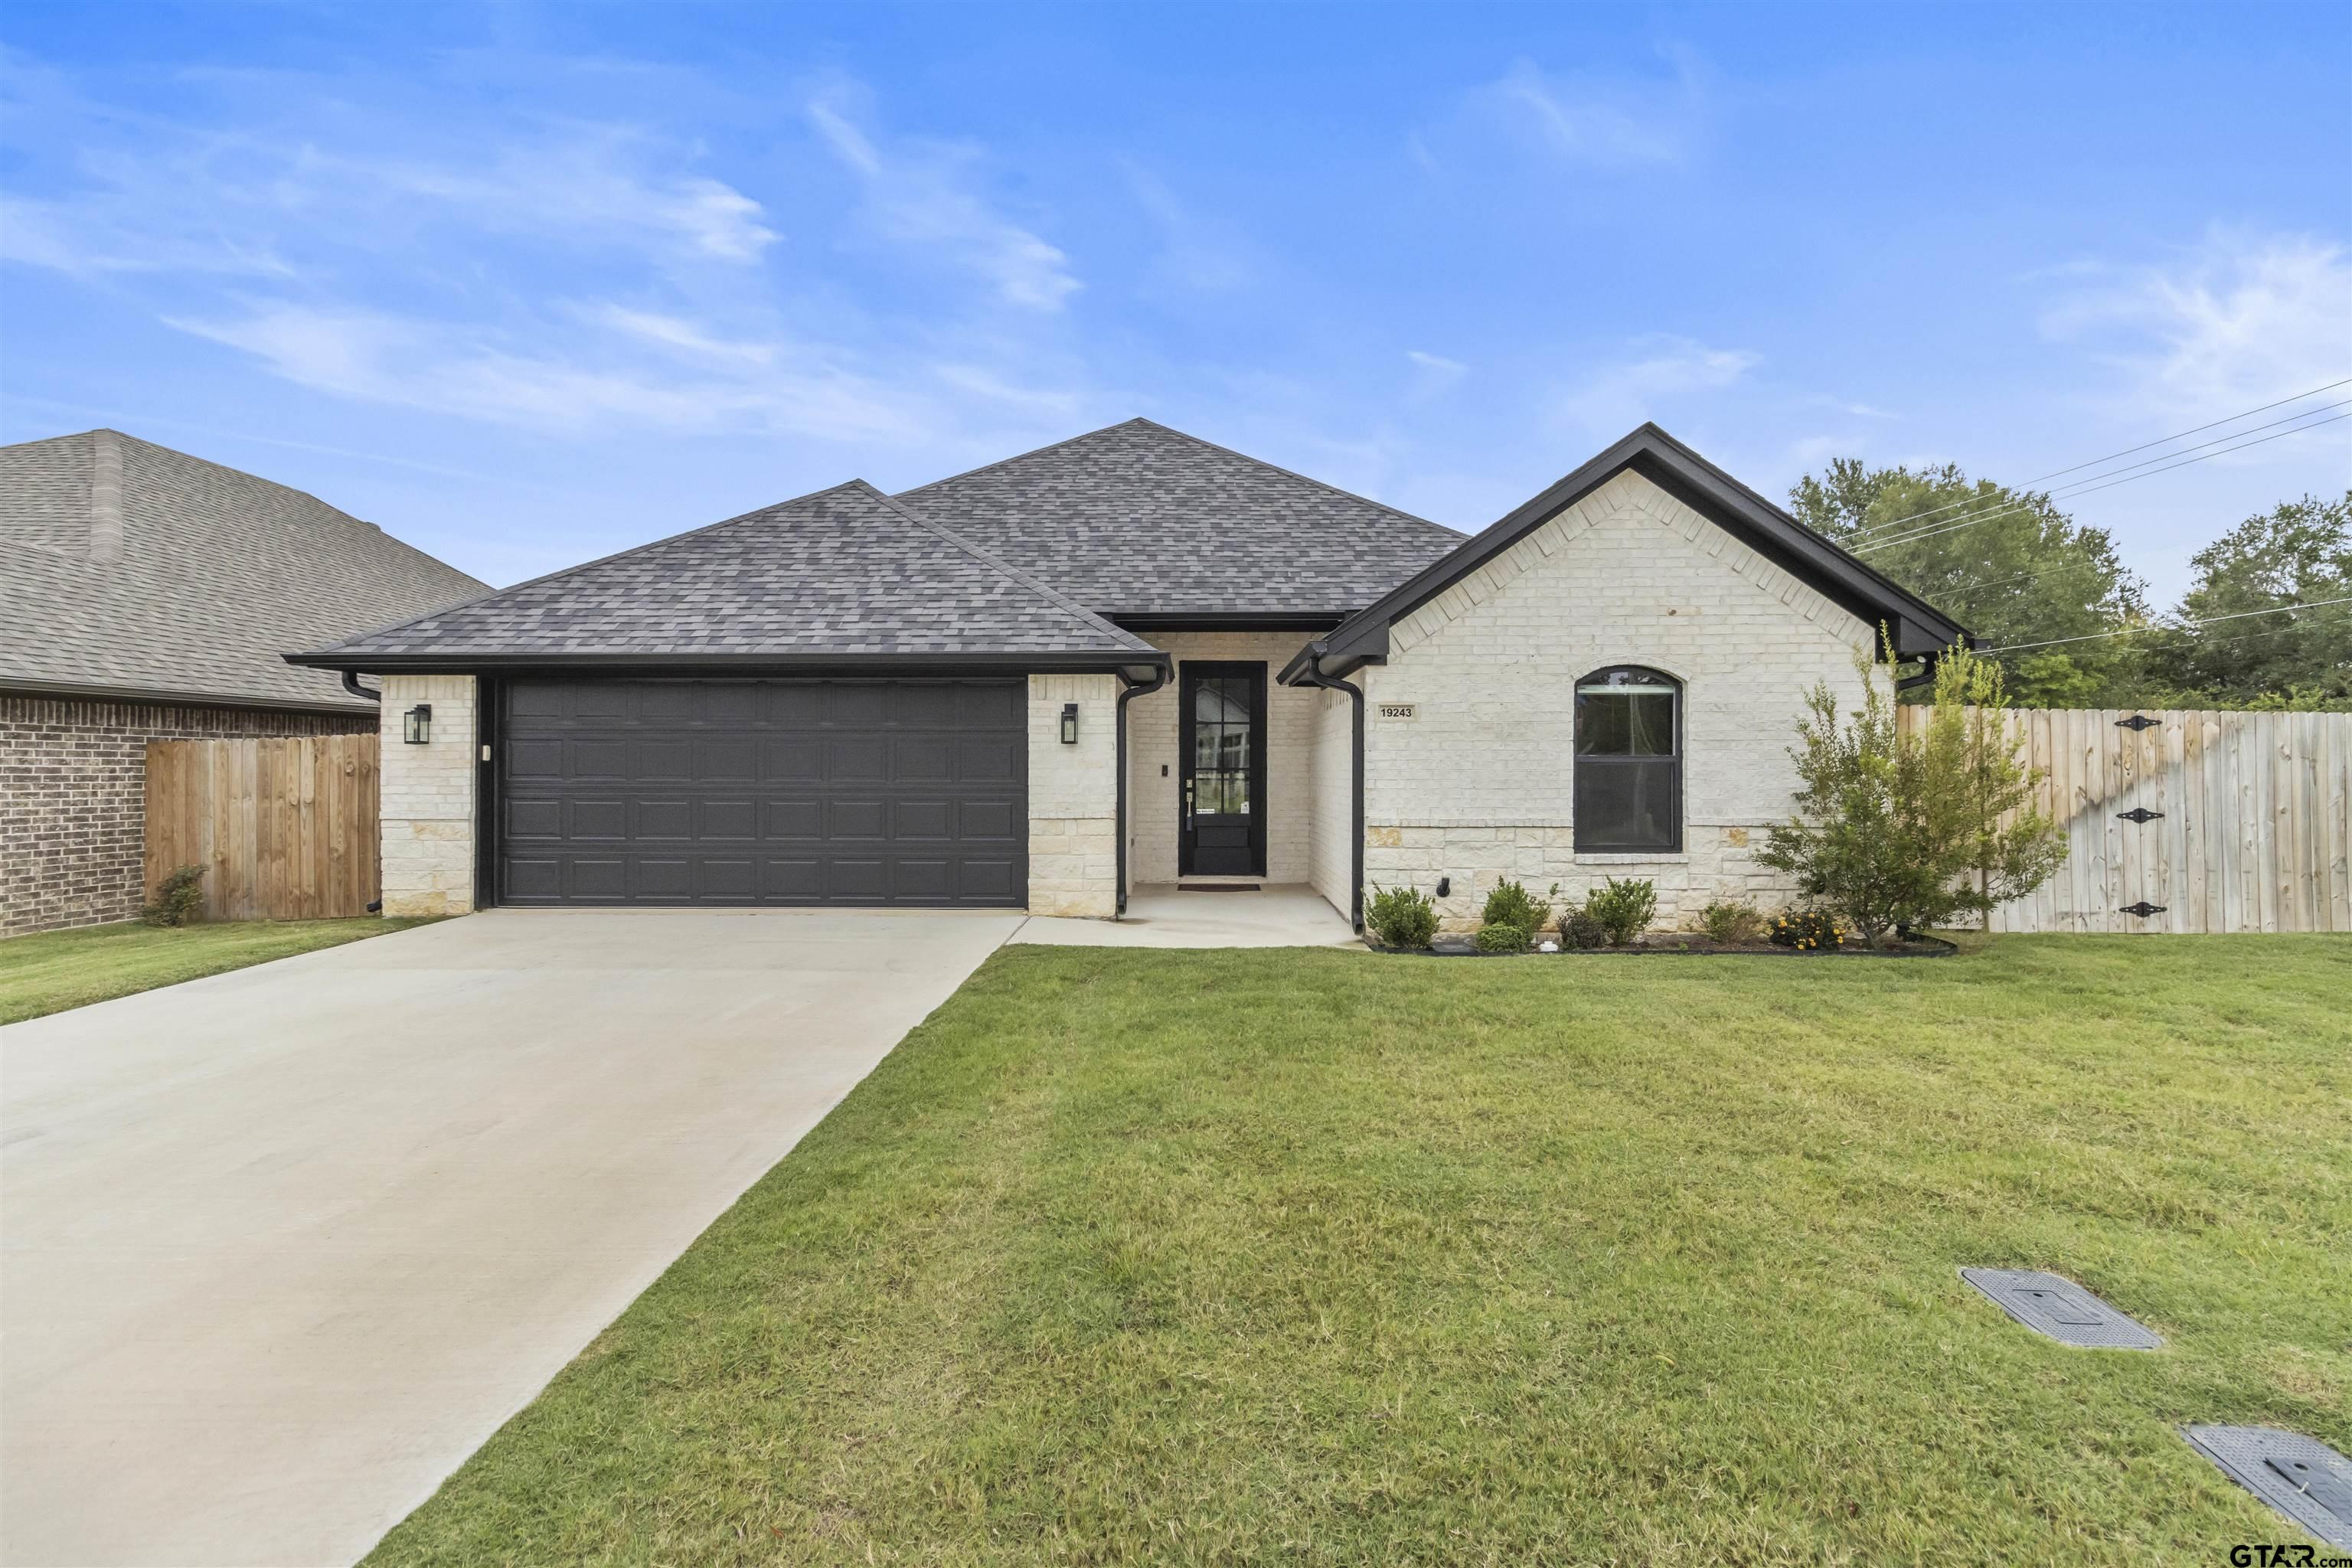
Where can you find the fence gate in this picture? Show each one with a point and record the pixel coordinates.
(286, 829)
(2189, 821)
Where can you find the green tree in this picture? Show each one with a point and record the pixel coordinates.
(2299, 553)
(2020, 571)
(1976, 779)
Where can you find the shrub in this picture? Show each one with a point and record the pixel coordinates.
(1895, 831)
(1623, 910)
(1512, 905)
(1502, 936)
(177, 898)
(1814, 930)
(1577, 929)
(1728, 923)
(1402, 917)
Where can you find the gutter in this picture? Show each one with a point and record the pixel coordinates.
(1129, 689)
(352, 684)
(1307, 670)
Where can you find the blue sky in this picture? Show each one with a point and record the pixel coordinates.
(526, 285)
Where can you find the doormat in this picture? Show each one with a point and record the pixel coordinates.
(2053, 1305)
(1217, 888)
(2301, 1476)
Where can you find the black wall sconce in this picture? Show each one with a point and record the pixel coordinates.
(417, 727)
(1070, 723)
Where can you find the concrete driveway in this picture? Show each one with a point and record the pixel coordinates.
(283, 1246)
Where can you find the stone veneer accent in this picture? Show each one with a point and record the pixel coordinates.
(1151, 736)
(1074, 797)
(73, 797)
(428, 804)
(1477, 786)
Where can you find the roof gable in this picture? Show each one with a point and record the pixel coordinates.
(1137, 520)
(1917, 626)
(846, 573)
(128, 568)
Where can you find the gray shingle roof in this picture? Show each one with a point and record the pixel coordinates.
(843, 571)
(1137, 519)
(129, 568)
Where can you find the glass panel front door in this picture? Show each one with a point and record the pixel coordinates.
(1224, 749)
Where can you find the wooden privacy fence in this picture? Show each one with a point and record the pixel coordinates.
(2186, 821)
(286, 829)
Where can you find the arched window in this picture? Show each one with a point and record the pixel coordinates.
(1629, 762)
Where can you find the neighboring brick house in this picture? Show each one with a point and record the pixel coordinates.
(146, 595)
(1044, 682)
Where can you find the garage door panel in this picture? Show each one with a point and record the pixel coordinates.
(856, 759)
(871, 792)
(595, 759)
(986, 760)
(588, 819)
(788, 760)
(992, 822)
(727, 819)
(661, 821)
(922, 759)
(726, 759)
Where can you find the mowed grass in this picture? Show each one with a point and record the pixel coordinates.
(1322, 1257)
(52, 971)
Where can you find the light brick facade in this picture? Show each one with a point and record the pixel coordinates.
(1074, 797)
(73, 798)
(428, 806)
(1477, 785)
(1151, 737)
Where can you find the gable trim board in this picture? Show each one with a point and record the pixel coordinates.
(1919, 628)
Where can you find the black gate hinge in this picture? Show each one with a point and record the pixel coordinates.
(2140, 813)
(2143, 909)
(2137, 721)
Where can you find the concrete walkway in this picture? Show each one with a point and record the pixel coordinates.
(1276, 915)
(283, 1246)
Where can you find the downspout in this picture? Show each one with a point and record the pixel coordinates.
(352, 684)
(1312, 675)
(1128, 686)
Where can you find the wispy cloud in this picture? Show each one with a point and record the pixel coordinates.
(1434, 374)
(1660, 374)
(1196, 253)
(925, 195)
(1585, 120)
(2240, 320)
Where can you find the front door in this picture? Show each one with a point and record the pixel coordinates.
(1223, 828)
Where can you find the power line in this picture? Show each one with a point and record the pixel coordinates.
(2067, 491)
(2172, 627)
(2128, 451)
(2088, 490)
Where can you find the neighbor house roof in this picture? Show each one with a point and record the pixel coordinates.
(1144, 523)
(1918, 627)
(131, 571)
(846, 574)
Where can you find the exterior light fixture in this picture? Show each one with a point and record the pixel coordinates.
(1070, 723)
(417, 728)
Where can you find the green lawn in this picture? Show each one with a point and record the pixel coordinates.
(52, 971)
(1316, 1257)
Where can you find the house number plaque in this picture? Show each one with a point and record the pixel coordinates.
(1396, 709)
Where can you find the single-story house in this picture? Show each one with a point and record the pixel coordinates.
(148, 596)
(1133, 657)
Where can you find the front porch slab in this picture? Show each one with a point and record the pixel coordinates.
(1278, 915)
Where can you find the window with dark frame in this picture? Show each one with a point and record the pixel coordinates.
(1629, 764)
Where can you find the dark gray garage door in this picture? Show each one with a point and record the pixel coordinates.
(765, 792)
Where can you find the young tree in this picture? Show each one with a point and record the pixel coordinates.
(1974, 774)
(1896, 831)
(2022, 571)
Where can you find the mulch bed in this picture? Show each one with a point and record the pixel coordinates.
(1452, 944)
